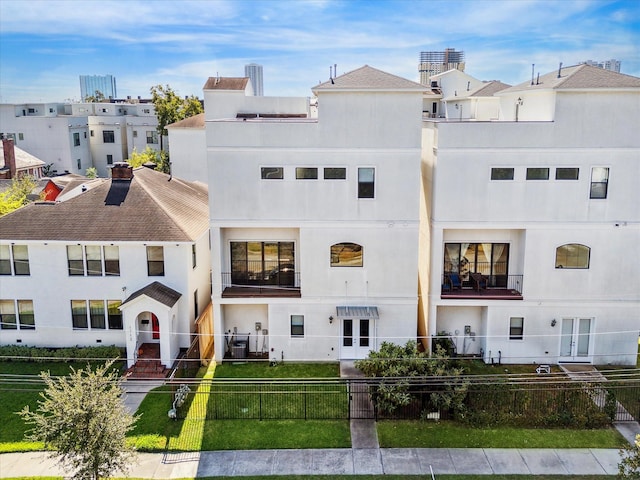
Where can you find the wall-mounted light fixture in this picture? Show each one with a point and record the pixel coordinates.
(330, 318)
(553, 322)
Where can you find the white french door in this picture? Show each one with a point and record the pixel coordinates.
(575, 340)
(357, 338)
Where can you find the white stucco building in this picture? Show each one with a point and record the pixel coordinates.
(314, 219)
(123, 261)
(72, 137)
(530, 223)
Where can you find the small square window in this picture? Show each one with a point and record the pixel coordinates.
(567, 173)
(297, 325)
(109, 159)
(272, 173)
(335, 173)
(20, 136)
(79, 164)
(516, 328)
(135, 134)
(502, 173)
(306, 173)
(537, 174)
(108, 136)
(76, 139)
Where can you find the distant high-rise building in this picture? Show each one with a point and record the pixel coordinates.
(432, 63)
(612, 65)
(105, 84)
(254, 72)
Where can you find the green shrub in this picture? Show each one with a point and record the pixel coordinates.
(22, 353)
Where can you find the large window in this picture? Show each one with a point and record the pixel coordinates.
(108, 136)
(111, 260)
(572, 255)
(26, 317)
(115, 315)
(79, 314)
(297, 325)
(20, 259)
(366, 182)
(263, 263)
(8, 315)
(516, 328)
(76, 139)
(599, 182)
(96, 314)
(346, 255)
(5, 260)
(490, 259)
(155, 261)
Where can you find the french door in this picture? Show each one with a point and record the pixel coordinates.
(575, 340)
(357, 338)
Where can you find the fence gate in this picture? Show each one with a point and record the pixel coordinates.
(360, 404)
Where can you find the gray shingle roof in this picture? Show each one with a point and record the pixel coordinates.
(369, 78)
(151, 207)
(157, 291)
(579, 77)
(488, 89)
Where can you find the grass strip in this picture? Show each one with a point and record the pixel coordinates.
(418, 434)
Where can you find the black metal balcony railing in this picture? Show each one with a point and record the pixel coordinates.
(239, 284)
(478, 285)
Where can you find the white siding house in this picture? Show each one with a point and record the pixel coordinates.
(530, 223)
(124, 262)
(314, 220)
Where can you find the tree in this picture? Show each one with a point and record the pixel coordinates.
(629, 467)
(82, 418)
(171, 108)
(148, 155)
(398, 367)
(17, 194)
(97, 97)
(92, 172)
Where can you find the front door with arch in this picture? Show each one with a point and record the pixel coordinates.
(575, 340)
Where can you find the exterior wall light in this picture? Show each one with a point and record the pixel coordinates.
(553, 322)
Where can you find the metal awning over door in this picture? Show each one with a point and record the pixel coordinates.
(357, 312)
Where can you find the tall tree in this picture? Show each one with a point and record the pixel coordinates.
(16, 195)
(171, 108)
(97, 97)
(83, 419)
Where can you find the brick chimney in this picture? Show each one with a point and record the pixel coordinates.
(9, 156)
(121, 171)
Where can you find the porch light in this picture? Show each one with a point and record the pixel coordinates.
(330, 318)
(553, 322)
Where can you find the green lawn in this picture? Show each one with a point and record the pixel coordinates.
(411, 433)
(281, 370)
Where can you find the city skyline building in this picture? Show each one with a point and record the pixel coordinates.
(105, 84)
(254, 72)
(433, 63)
(612, 65)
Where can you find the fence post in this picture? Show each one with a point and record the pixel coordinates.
(305, 400)
(349, 399)
(260, 397)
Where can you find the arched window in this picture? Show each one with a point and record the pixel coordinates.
(346, 255)
(572, 255)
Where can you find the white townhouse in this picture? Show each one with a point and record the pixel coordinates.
(72, 137)
(188, 148)
(530, 223)
(124, 261)
(314, 218)
(48, 132)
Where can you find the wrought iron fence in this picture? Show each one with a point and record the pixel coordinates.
(520, 403)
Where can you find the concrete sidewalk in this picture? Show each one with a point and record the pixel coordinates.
(398, 461)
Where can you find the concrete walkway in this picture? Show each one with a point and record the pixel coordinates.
(348, 461)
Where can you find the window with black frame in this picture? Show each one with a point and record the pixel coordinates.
(488, 259)
(263, 263)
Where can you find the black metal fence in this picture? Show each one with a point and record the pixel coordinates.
(533, 404)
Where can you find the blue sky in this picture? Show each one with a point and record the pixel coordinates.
(46, 45)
